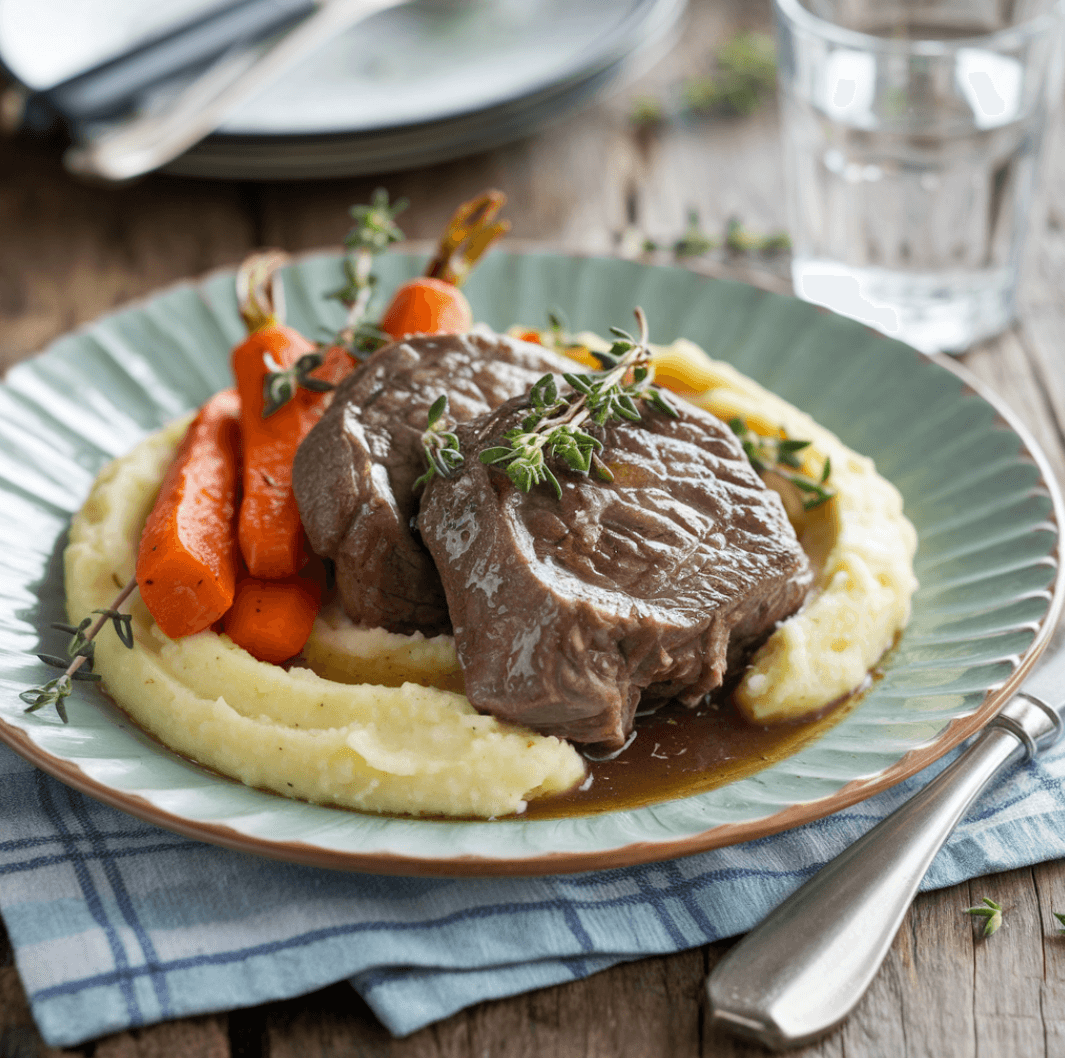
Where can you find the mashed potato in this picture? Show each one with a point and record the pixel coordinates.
(409, 748)
(377, 721)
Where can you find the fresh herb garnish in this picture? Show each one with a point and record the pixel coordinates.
(552, 429)
(280, 384)
(739, 240)
(991, 912)
(80, 650)
(780, 455)
(1061, 918)
(746, 75)
(441, 446)
(743, 77)
(374, 231)
(694, 242)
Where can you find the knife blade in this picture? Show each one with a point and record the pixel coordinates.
(805, 967)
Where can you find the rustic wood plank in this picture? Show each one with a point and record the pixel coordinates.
(646, 1007)
(203, 1037)
(1049, 880)
(1009, 969)
(71, 251)
(19, 1037)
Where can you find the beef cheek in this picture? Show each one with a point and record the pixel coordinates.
(567, 611)
(353, 475)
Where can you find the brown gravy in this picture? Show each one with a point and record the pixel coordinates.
(679, 752)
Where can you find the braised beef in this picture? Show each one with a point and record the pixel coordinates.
(354, 474)
(567, 611)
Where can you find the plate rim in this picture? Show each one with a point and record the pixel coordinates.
(632, 853)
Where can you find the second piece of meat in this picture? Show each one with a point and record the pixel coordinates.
(354, 474)
(568, 610)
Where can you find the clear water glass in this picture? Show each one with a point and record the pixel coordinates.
(912, 134)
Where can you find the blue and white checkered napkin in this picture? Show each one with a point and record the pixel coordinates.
(117, 924)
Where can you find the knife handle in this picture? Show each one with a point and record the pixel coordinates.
(804, 969)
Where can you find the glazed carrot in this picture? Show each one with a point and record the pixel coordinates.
(433, 304)
(427, 306)
(187, 562)
(269, 528)
(271, 619)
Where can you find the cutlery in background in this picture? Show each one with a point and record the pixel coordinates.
(804, 969)
(146, 142)
(115, 85)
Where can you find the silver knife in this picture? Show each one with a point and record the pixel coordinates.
(803, 970)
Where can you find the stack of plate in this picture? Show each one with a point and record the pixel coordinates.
(421, 83)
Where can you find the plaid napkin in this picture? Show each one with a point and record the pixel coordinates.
(116, 923)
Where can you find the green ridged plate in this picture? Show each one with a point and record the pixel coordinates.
(984, 502)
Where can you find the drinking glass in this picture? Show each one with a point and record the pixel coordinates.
(912, 134)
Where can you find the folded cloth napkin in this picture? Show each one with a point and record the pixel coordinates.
(116, 923)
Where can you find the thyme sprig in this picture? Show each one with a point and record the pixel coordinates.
(990, 912)
(441, 446)
(553, 427)
(780, 455)
(80, 650)
(280, 384)
(374, 231)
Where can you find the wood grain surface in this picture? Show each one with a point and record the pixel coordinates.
(593, 183)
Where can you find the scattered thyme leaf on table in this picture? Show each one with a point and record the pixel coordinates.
(553, 427)
(990, 912)
(743, 77)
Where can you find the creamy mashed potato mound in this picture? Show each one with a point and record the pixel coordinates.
(407, 748)
(860, 543)
(377, 721)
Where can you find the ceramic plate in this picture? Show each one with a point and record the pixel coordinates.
(984, 503)
(422, 61)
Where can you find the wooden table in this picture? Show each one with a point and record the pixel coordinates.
(69, 252)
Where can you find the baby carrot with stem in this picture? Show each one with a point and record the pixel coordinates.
(270, 367)
(433, 303)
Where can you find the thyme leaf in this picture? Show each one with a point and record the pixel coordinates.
(553, 428)
(441, 446)
(1061, 918)
(80, 650)
(374, 231)
(280, 383)
(780, 456)
(990, 912)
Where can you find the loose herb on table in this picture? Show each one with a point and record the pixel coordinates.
(990, 912)
(80, 651)
(553, 427)
(695, 241)
(743, 77)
